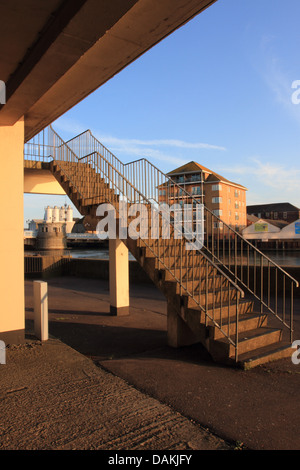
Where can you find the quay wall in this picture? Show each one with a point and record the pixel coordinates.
(99, 269)
(53, 265)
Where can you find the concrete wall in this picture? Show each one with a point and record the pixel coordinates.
(227, 206)
(12, 319)
(86, 268)
(41, 182)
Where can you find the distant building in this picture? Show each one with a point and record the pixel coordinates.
(262, 229)
(60, 214)
(278, 211)
(273, 234)
(224, 198)
(33, 224)
(51, 236)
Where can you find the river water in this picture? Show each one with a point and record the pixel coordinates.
(287, 258)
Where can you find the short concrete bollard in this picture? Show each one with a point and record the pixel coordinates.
(2, 353)
(40, 294)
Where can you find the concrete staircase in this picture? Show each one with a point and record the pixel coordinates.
(205, 302)
(176, 277)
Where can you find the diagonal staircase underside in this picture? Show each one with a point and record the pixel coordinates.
(224, 294)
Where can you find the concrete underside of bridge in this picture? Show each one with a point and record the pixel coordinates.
(54, 54)
(41, 182)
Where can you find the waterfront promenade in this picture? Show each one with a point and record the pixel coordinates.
(113, 383)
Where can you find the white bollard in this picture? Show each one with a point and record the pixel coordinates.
(118, 277)
(2, 353)
(40, 294)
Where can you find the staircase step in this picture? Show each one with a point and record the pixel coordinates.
(246, 322)
(212, 282)
(251, 340)
(226, 311)
(265, 354)
(217, 297)
(188, 274)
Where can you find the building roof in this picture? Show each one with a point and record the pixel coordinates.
(193, 167)
(252, 218)
(277, 207)
(277, 223)
(189, 168)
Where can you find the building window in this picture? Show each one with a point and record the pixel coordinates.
(196, 177)
(236, 193)
(196, 190)
(218, 212)
(217, 187)
(216, 200)
(285, 215)
(275, 215)
(236, 216)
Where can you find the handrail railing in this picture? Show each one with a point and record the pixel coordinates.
(247, 265)
(169, 255)
(224, 248)
(162, 249)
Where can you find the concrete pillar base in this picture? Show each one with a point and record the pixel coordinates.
(119, 311)
(13, 337)
(179, 333)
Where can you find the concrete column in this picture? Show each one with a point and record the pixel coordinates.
(178, 331)
(40, 299)
(2, 353)
(12, 317)
(118, 278)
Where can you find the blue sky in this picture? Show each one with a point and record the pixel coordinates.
(217, 91)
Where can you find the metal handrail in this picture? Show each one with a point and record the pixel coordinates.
(237, 239)
(110, 169)
(149, 180)
(118, 182)
(195, 200)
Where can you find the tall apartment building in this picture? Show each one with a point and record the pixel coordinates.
(224, 198)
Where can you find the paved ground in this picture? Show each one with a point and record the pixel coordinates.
(148, 395)
(54, 398)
